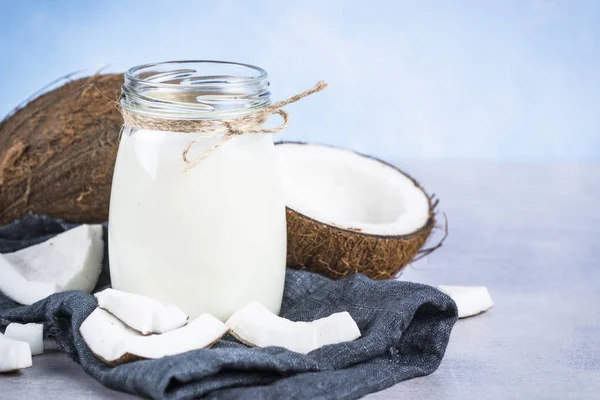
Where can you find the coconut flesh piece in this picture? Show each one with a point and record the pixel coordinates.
(115, 343)
(470, 300)
(71, 260)
(23, 291)
(33, 334)
(141, 313)
(351, 191)
(254, 325)
(14, 354)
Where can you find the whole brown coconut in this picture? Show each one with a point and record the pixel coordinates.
(57, 153)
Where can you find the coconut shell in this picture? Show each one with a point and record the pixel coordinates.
(57, 153)
(336, 252)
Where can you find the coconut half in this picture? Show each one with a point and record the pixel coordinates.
(350, 213)
(141, 313)
(33, 334)
(254, 325)
(115, 343)
(14, 354)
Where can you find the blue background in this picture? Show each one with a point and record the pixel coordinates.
(421, 80)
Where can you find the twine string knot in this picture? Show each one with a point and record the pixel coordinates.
(248, 124)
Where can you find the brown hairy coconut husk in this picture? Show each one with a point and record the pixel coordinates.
(57, 153)
(336, 250)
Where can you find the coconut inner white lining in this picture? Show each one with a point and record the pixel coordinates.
(344, 189)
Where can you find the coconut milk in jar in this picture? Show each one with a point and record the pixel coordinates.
(207, 236)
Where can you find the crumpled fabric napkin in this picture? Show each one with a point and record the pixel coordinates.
(405, 329)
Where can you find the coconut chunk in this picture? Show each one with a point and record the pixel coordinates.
(21, 290)
(141, 313)
(254, 325)
(14, 354)
(72, 259)
(115, 343)
(470, 300)
(29, 333)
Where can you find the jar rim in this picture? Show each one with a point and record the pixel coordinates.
(132, 73)
(195, 89)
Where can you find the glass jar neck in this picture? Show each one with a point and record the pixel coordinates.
(195, 90)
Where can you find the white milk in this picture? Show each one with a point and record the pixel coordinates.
(211, 239)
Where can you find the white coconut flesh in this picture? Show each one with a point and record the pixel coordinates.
(14, 354)
(33, 334)
(18, 288)
(72, 259)
(254, 325)
(351, 191)
(470, 300)
(142, 313)
(114, 342)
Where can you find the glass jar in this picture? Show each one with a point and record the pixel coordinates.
(211, 238)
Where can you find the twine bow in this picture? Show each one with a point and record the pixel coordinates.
(251, 123)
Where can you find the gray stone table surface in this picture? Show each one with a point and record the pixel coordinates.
(531, 234)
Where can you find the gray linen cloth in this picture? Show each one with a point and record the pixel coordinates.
(405, 329)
